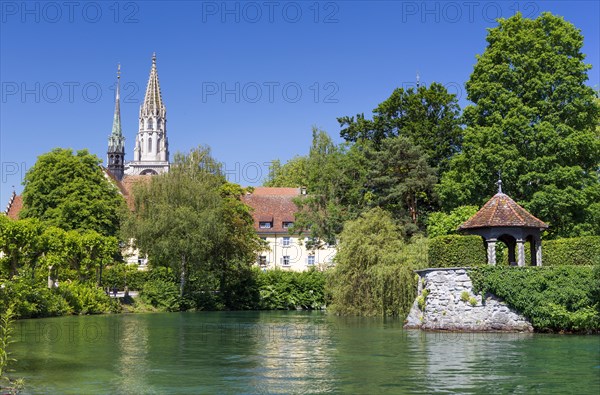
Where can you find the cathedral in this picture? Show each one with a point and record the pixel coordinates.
(151, 152)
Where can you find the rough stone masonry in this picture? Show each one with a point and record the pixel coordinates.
(446, 301)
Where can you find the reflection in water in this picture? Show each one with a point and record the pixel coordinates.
(291, 352)
(131, 337)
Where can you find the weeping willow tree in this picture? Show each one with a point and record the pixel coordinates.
(374, 267)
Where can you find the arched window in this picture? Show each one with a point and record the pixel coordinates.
(149, 144)
(150, 124)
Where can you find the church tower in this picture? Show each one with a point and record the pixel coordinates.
(151, 153)
(116, 142)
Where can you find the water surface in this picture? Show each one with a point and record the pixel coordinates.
(291, 352)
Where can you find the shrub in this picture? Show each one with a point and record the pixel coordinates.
(573, 251)
(464, 296)
(120, 275)
(553, 298)
(31, 299)
(456, 251)
(161, 294)
(85, 298)
(290, 290)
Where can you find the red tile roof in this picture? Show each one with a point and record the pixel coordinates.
(499, 211)
(15, 205)
(275, 205)
(126, 186)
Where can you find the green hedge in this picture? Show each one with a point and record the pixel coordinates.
(557, 298)
(575, 251)
(456, 251)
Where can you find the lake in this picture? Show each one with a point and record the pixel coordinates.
(291, 352)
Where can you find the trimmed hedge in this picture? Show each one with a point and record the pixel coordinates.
(574, 251)
(558, 298)
(456, 251)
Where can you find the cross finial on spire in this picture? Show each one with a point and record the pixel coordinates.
(418, 79)
(118, 71)
(153, 57)
(499, 182)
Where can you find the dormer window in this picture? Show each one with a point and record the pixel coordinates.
(265, 225)
(287, 224)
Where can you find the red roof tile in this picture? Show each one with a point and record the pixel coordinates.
(15, 205)
(275, 205)
(499, 211)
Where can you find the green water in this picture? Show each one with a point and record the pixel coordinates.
(291, 352)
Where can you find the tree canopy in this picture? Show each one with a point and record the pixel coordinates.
(72, 192)
(534, 119)
(191, 220)
(427, 116)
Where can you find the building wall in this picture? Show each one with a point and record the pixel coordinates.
(282, 245)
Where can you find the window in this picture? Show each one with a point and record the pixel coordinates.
(287, 224)
(150, 124)
(264, 225)
(286, 241)
(149, 144)
(262, 260)
(285, 260)
(311, 260)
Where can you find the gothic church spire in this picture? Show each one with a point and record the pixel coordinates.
(116, 141)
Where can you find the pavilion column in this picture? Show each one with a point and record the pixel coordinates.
(538, 251)
(491, 251)
(532, 251)
(520, 252)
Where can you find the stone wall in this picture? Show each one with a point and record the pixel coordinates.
(446, 301)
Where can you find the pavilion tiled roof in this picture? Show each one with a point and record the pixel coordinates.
(275, 205)
(502, 211)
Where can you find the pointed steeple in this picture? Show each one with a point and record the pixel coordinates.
(116, 141)
(151, 152)
(153, 104)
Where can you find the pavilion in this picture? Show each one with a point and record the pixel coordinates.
(502, 219)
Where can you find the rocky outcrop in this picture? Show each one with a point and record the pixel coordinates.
(446, 301)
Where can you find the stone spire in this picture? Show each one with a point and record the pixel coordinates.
(153, 104)
(116, 141)
(151, 153)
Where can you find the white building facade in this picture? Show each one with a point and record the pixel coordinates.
(274, 214)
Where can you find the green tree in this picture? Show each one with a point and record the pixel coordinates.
(20, 243)
(534, 119)
(427, 116)
(71, 192)
(442, 224)
(374, 267)
(292, 174)
(401, 181)
(192, 221)
(336, 177)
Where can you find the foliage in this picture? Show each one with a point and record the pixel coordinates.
(427, 117)
(373, 273)
(464, 296)
(557, 298)
(400, 180)
(20, 243)
(32, 299)
(442, 224)
(161, 294)
(336, 177)
(121, 275)
(280, 290)
(456, 251)
(71, 192)
(292, 174)
(571, 251)
(85, 298)
(534, 119)
(6, 330)
(191, 220)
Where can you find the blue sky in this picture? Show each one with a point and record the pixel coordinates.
(249, 79)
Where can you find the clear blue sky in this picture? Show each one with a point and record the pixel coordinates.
(291, 64)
